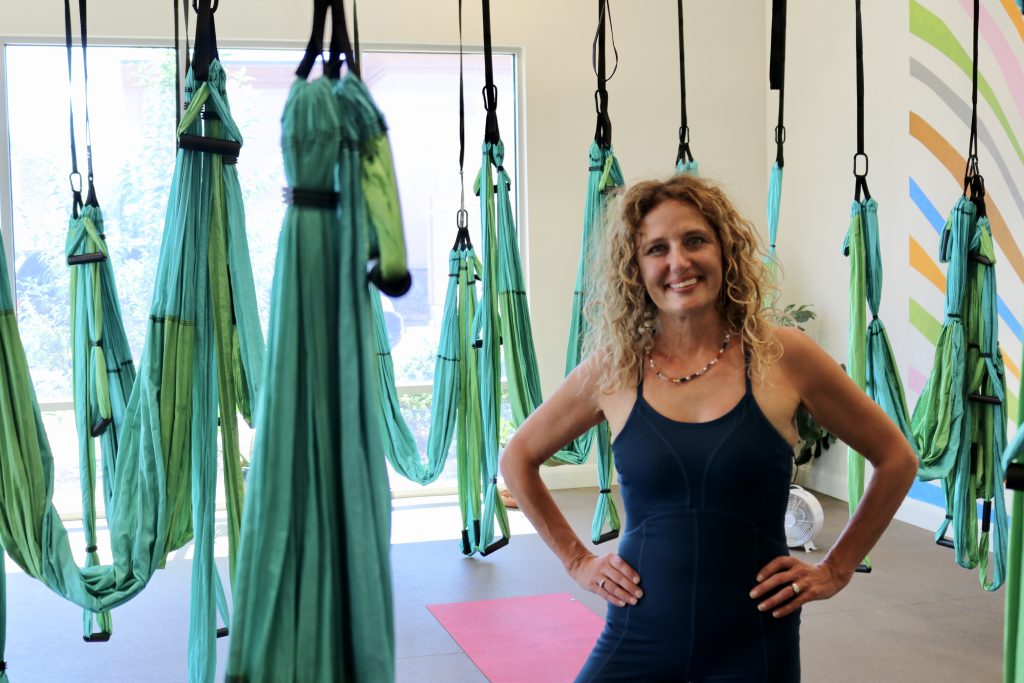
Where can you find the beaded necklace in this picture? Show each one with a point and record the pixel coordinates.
(679, 380)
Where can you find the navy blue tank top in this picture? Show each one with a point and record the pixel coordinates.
(705, 505)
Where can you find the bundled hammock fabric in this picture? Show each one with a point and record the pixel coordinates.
(959, 422)
(937, 420)
(103, 372)
(314, 588)
(217, 342)
(604, 175)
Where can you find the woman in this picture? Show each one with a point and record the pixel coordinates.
(700, 393)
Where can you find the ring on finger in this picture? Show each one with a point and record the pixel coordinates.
(600, 584)
(796, 588)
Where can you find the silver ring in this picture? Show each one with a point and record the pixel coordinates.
(796, 589)
(600, 584)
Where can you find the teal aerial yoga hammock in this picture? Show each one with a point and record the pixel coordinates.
(603, 177)
(871, 363)
(685, 163)
(102, 368)
(455, 408)
(959, 422)
(313, 591)
(148, 514)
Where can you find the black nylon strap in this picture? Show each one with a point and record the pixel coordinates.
(973, 179)
(357, 53)
(603, 130)
(206, 38)
(777, 70)
(490, 91)
(860, 187)
(315, 46)
(178, 87)
(683, 154)
(339, 27)
(74, 178)
(462, 240)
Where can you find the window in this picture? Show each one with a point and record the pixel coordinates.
(132, 110)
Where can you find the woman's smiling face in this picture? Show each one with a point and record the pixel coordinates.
(680, 259)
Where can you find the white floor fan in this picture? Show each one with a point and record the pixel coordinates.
(804, 519)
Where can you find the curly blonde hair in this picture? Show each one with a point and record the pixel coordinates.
(622, 317)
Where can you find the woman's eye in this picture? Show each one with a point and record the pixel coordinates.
(656, 249)
(696, 241)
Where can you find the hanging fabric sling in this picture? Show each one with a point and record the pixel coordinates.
(776, 81)
(206, 317)
(685, 163)
(313, 591)
(503, 321)
(871, 363)
(603, 177)
(454, 380)
(102, 369)
(959, 422)
(1013, 465)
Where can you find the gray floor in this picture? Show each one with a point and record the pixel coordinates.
(918, 617)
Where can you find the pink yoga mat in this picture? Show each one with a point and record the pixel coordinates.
(536, 639)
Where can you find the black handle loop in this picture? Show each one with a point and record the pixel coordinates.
(860, 158)
(315, 46)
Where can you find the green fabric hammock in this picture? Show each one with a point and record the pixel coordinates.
(165, 469)
(937, 420)
(313, 591)
(603, 176)
(959, 439)
(218, 349)
(453, 389)
(103, 372)
(689, 167)
(502, 322)
(872, 364)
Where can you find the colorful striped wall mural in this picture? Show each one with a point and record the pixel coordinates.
(939, 102)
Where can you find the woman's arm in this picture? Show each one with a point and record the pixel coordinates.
(568, 413)
(839, 405)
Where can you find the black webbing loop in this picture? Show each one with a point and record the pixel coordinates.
(206, 38)
(315, 46)
(972, 175)
(462, 240)
(339, 28)
(490, 91)
(777, 71)
(860, 159)
(683, 154)
(603, 130)
(90, 548)
(3, 665)
(605, 491)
